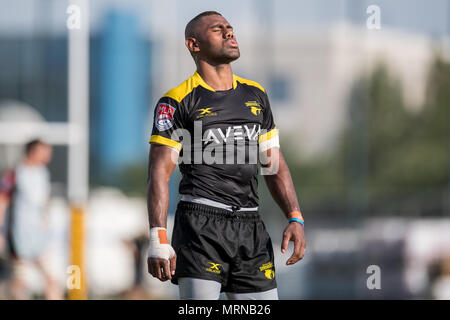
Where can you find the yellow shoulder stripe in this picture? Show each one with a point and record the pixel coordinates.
(248, 82)
(268, 135)
(178, 93)
(165, 141)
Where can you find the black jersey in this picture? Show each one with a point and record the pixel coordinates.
(219, 135)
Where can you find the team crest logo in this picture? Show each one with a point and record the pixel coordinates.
(214, 267)
(254, 106)
(164, 116)
(268, 270)
(269, 273)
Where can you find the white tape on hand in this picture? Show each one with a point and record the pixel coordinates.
(159, 246)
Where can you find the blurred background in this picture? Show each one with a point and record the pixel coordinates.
(363, 115)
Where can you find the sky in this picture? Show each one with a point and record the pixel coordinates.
(417, 16)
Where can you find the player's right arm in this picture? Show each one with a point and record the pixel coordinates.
(160, 169)
(163, 157)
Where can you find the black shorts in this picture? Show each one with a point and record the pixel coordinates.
(232, 248)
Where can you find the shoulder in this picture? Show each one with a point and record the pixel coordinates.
(253, 85)
(180, 92)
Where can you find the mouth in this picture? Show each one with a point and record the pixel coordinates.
(232, 43)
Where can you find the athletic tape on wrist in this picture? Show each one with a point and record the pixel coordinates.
(296, 216)
(159, 246)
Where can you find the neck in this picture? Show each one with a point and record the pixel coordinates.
(219, 77)
(30, 162)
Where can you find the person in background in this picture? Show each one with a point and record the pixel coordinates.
(24, 195)
(138, 246)
(7, 183)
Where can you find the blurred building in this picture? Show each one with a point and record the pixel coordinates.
(120, 96)
(34, 72)
(15, 111)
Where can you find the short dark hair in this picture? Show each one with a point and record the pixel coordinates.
(189, 30)
(31, 145)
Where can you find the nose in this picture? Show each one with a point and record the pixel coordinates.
(229, 34)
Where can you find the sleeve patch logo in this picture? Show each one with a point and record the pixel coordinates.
(164, 116)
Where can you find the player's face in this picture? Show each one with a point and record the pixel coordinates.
(217, 40)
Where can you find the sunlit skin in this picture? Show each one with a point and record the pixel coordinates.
(213, 41)
(213, 45)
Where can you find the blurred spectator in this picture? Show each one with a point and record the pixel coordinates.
(7, 184)
(138, 245)
(440, 279)
(24, 194)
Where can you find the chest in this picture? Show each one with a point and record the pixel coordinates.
(225, 114)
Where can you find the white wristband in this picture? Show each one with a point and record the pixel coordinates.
(159, 247)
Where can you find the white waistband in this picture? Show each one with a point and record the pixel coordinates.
(208, 202)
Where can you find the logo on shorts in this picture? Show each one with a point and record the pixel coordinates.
(268, 270)
(164, 116)
(255, 107)
(214, 267)
(269, 273)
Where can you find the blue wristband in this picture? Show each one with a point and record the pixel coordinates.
(297, 220)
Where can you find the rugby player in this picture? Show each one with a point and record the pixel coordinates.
(219, 242)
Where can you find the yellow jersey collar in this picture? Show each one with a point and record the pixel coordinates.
(201, 82)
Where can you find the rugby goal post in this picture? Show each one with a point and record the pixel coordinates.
(74, 134)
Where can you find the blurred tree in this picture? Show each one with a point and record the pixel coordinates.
(133, 180)
(396, 161)
(318, 182)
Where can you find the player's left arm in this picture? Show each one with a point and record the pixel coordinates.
(279, 181)
(281, 187)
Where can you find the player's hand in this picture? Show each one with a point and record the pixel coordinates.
(160, 268)
(296, 233)
(161, 259)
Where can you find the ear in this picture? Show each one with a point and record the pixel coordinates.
(192, 45)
